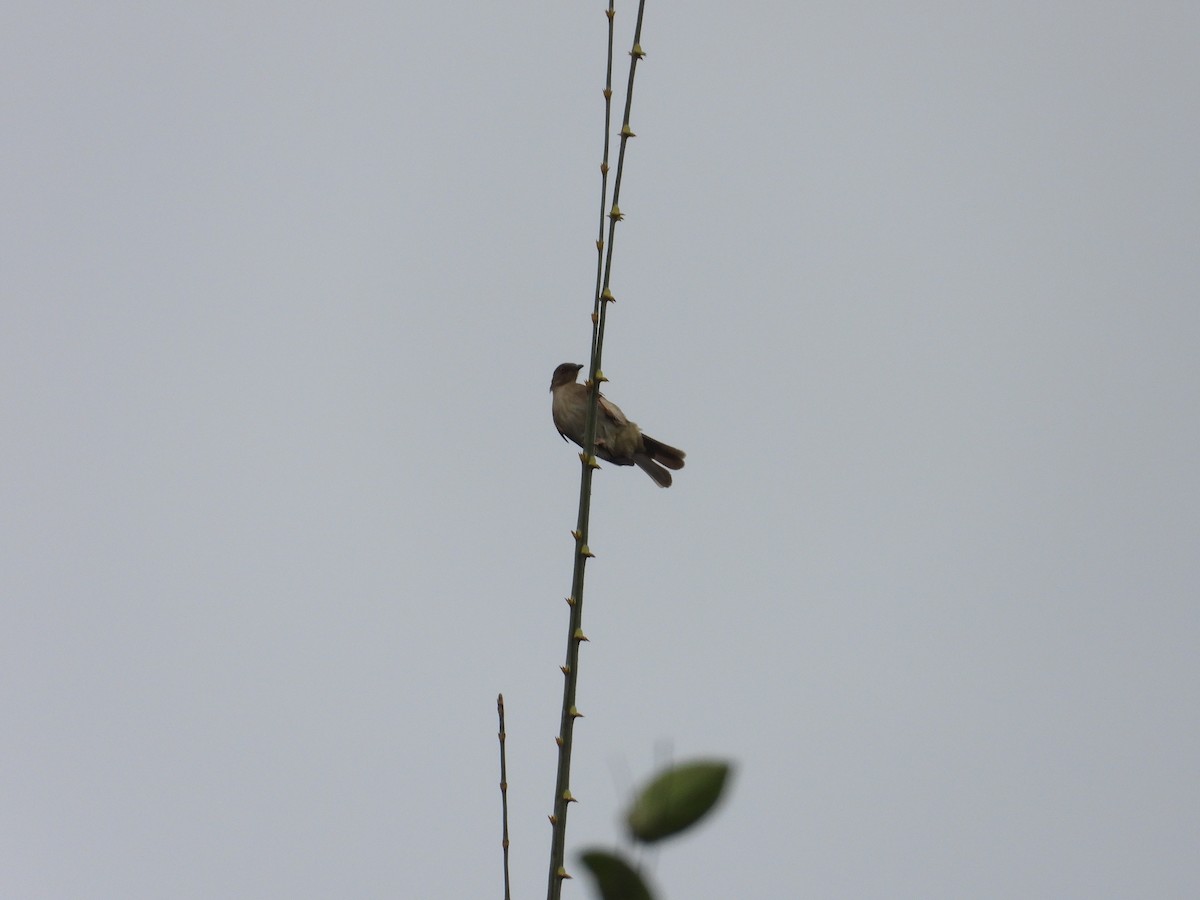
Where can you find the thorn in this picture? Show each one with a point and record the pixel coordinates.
(553, 819)
(579, 635)
(570, 601)
(566, 795)
(600, 375)
(558, 741)
(576, 534)
(608, 93)
(607, 295)
(637, 51)
(626, 132)
(576, 714)
(595, 318)
(562, 873)
(566, 670)
(616, 214)
(584, 551)
(610, 13)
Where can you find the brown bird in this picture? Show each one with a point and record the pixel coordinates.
(618, 440)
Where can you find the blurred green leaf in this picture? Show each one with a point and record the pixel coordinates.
(616, 879)
(677, 799)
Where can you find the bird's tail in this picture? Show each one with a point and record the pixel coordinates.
(653, 469)
(665, 454)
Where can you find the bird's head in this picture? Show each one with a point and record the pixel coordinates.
(565, 374)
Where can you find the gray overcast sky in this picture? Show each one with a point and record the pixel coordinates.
(914, 285)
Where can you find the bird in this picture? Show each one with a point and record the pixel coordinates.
(618, 440)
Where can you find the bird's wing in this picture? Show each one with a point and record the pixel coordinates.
(613, 411)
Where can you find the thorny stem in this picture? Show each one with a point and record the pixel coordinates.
(603, 296)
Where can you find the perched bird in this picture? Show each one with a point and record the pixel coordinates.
(618, 440)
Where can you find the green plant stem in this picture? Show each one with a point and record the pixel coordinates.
(575, 635)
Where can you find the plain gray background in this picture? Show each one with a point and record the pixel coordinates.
(915, 287)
